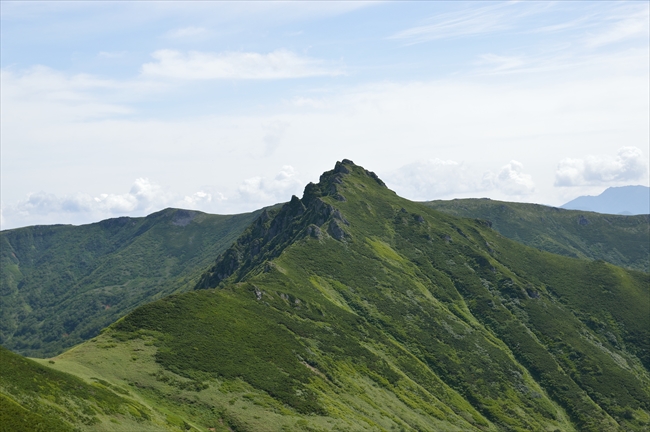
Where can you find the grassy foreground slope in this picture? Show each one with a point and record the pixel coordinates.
(354, 309)
(60, 285)
(620, 240)
(37, 398)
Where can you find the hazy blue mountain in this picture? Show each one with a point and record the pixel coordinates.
(627, 200)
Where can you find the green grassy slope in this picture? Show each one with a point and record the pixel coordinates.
(354, 309)
(37, 398)
(620, 240)
(60, 285)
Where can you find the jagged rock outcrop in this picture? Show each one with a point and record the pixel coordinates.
(273, 230)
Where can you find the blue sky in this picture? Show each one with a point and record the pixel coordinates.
(120, 108)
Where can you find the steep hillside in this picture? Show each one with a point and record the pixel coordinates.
(60, 285)
(620, 240)
(354, 309)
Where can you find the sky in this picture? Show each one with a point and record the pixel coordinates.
(125, 108)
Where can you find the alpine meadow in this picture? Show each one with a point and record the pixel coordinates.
(349, 309)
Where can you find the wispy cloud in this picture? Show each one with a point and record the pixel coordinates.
(497, 63)
(592, 26)
(61, 96)
(627, 24)
(470, 21)
(195, 65)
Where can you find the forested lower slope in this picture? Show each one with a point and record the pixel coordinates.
(61, 284)
(355, 309)
(620, 240)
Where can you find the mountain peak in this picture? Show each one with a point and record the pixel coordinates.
(624, 200)
(330, 182)
(274, 230)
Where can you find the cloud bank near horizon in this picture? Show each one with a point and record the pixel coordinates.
(444, 179)
(146, 197)
(628, 165)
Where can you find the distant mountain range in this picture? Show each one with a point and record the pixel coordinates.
(624, 200)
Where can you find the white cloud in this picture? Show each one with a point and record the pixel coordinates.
(143, 198)
(510, 180)
(437, 179)
(265, 191)
(197, 65)
(200, 199)
(628, 165)
(431, 179)
(60, 129)
(146, 197)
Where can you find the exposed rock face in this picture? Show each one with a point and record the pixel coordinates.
(336, 231)
(258, 293)
(336, 214)
(314, 231)
(583, 220)
(377, 179)
(298, 218)
(341, 168)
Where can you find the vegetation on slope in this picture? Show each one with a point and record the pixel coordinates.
(621, 240)
(354, 309)
(60, 285)
(37, 398)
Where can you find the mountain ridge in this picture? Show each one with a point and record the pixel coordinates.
(620, 240)
(355, 309)
(62, 284)
(630, 200)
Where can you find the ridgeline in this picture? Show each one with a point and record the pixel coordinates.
(355, 309)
